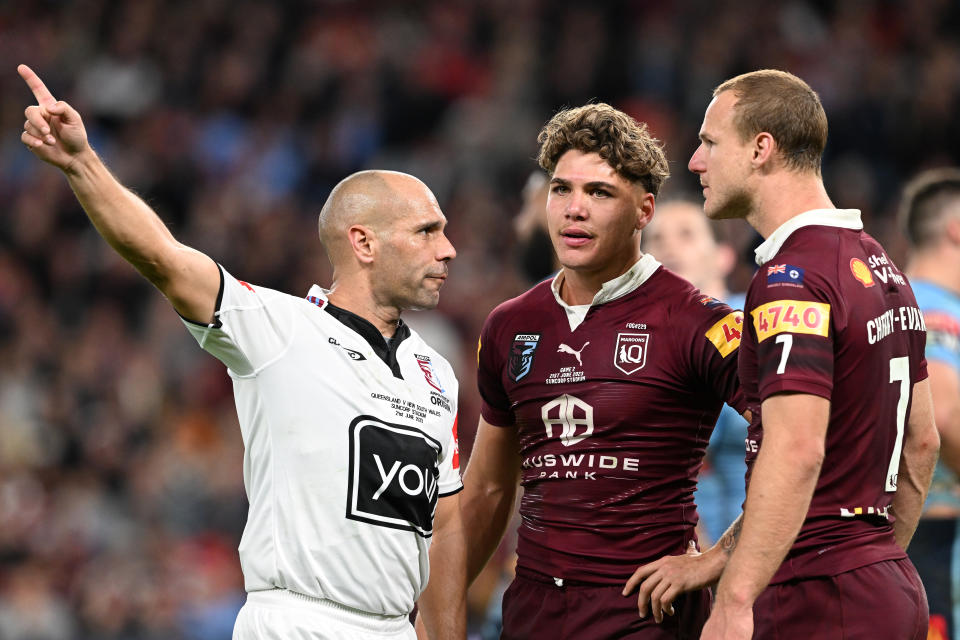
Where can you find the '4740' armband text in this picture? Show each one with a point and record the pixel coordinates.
(791, 316)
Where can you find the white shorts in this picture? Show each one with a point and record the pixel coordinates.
(284, 615)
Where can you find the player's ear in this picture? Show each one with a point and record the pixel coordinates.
(363, 242)
(645, 206)
(952, 230)
(764, 148)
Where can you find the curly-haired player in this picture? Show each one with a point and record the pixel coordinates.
(600, 389)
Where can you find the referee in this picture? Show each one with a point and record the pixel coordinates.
(348, 418)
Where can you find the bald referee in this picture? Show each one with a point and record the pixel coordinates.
(348, 418)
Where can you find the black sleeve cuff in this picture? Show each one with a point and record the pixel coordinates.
(216, 309)
(451, 493)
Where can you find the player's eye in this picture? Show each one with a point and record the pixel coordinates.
(560, 189)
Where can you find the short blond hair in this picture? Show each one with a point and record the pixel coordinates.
(625, 144)
(783, 105)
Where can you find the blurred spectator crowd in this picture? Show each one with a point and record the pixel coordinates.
(121, 496)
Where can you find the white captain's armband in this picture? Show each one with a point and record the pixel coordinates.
(725, 334)
(791, 316)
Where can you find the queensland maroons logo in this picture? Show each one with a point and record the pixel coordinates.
(630, 354)
(521, 355)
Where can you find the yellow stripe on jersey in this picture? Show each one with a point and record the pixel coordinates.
(478, 350)
(725, 335)
(791, 316)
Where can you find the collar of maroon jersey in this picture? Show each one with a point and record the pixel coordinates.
(620, 286)
(840, 218)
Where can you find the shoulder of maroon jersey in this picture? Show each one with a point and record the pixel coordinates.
(811, 242)
(664, 285)
(680, 293)
(808, 260)
(530, 301)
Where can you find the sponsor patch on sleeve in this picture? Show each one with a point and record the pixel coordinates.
(791, 316)
(785, 274)
(725, 334)
(861, 272)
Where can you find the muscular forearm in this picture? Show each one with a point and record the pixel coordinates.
(917, 460)
(714, 560)
(54, 132)
(123, 219)
(912, 486)
(490, 489)
(776, 506)
(728, 541)
(486, 514)
(188, 278)
(443, 604)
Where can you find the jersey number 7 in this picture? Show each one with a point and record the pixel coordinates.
(899, 372)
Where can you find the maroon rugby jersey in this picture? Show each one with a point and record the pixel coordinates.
(829, 314)
(613, 417)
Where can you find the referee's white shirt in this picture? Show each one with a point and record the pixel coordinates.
(348, 444)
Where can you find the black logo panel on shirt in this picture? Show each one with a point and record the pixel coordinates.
(393, 475)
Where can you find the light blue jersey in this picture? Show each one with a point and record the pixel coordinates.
(941, 313)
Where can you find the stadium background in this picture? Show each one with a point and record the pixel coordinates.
(121, 499)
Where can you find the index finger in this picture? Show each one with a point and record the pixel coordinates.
(641, 574)
(40, 91)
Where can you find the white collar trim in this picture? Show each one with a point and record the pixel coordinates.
(620, 286)
(839, 218)
(317, 291)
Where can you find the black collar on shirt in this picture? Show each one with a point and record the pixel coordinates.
(385, 349)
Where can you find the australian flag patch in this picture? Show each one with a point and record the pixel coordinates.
(521, 355)
(785, 274)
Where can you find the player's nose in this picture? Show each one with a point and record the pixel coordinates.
(445, 251)
(576, 206)
(696, 164)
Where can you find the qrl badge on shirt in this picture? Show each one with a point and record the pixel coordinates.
(630, 353)
(521, 354)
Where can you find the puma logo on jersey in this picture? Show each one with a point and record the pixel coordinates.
(574, 352)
